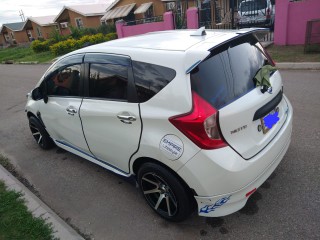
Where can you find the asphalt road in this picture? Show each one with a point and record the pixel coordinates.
(105, 206)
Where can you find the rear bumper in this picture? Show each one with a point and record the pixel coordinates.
(222, 178)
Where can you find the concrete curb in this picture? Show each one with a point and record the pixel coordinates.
(39, 209)
(299, 66)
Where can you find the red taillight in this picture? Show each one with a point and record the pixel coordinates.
(200, 125)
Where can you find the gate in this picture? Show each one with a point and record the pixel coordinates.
(312, 42)
(235, 14)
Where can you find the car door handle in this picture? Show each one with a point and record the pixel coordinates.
(71, 110)
(126, 118)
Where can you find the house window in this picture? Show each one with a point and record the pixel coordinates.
(7, 37)
(149, 12)
(29, 33)
(12, 35)
(79, 22)
(170, 6)
(39, 32)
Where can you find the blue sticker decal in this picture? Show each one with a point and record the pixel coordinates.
(271, 119)
(219, 203)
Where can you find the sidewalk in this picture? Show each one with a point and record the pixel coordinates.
(299, 66)
(39, 209)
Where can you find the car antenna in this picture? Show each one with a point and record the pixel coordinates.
(200, 32)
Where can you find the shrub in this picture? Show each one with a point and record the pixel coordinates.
(106, 28)
(98, 38)
(111, 36)
(64, 47)
(41, 46)
(55, 36)
(71, 44)
(77, 33)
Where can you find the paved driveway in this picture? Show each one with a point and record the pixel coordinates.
(105, 206)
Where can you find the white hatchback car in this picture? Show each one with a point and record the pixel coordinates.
(178, 110)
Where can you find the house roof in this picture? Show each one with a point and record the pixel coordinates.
(86, 10)
(143, 8)
(112, 5)
(41, 21)
(17, 26)
(44, 20)
(118, 12)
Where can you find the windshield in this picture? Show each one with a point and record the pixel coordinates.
(253, 5)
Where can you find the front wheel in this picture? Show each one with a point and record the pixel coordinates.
(40, 134)
(164, 192)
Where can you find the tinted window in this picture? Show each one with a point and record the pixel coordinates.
(210, 80)
(107, 59)
(64, 81)
(228, 73)
(108, 81)
(70, 60)
(245, 61)
(150, 79)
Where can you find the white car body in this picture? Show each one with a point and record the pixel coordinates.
(222, 179)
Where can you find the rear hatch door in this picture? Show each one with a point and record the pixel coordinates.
(249, 119)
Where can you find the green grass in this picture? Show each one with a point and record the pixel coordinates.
(24, 54)
(292, 54)
(16, 222)
(6, 163)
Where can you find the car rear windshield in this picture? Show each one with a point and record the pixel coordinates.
(228, 73)
(253, 5)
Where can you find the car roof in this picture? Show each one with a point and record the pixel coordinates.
(175, 40)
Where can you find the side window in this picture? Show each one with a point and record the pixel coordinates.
(64, 81)
(150, 79)
(108, 81)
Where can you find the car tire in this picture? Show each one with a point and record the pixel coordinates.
(164, 192)
(40, 134)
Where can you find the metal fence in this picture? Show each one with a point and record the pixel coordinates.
(145, 20)
(236, 14)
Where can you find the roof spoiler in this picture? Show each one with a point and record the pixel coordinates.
(258, 32)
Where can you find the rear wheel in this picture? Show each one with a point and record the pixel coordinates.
(40, 134)
(163, 191)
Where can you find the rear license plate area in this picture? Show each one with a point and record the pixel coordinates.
(268, 121)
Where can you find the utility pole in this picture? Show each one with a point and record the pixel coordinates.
(21, 14)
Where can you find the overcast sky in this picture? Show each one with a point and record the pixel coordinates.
(9, 9)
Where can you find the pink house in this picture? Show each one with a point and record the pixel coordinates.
(291, 20)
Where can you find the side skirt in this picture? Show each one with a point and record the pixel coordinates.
(91, 158)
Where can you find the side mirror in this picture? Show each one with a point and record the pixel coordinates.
(36, 94)
(40, 93)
